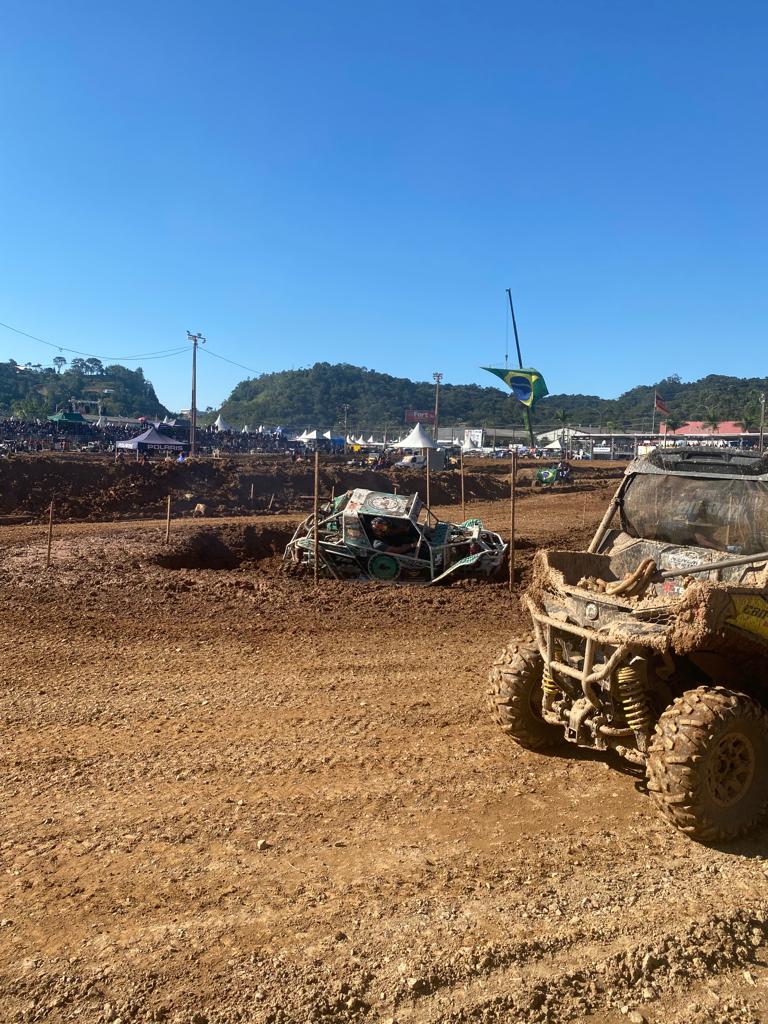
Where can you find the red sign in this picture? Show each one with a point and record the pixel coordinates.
(419, 416)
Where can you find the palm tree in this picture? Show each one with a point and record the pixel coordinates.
(674, 422)
(750, 418)
(562, 417)
(712, 419)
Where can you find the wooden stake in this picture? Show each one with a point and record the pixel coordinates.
(271, 501)
(168, 521)
(251, 495)
(50, 536)
(461, 470)
(427, 477)
(316, 509)
(512, 500)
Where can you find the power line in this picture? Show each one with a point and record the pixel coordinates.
(157, 354)
(250, 369)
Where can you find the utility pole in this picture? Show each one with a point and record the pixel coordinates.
(762, 421)
(345, 407)
(437, 377)
(196, 339)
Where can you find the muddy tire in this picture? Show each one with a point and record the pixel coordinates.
(708, 764)
(515, 697)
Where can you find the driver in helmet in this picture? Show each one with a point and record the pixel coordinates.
(394, 538)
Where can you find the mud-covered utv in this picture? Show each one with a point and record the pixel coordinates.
(414, 546)
(654, 641)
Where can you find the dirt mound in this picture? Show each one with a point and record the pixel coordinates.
(88, 488)
(226, 547)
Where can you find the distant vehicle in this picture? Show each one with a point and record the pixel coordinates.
(412, 462)
(373, 535)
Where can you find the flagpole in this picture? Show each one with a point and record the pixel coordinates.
(526, 410)
(653, 416)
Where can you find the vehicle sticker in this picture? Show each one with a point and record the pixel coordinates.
(750, 614)
(682, 560)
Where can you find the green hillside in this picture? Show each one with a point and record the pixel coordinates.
(35, 391)
(317, 396)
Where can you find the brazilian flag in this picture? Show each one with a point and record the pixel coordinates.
(527, 386)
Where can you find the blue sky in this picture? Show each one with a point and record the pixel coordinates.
(360, 183)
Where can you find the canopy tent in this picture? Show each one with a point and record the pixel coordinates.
(333, 438)
(418, 438)
(370, 440)
(67, 417)
(313, 435)
(101, 421)
(246, 429)
(150, 439)
(220, 424)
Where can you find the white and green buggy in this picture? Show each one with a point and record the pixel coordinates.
(347, 548)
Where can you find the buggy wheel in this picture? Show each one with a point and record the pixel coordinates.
(515, 697)
(708, 763)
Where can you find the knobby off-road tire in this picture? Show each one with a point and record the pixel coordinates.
(515, 696)
(708, 763)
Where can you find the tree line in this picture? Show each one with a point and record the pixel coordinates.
(32, 391)
(318, 395)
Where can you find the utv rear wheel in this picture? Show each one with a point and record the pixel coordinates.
(515, 697)
(708, 763)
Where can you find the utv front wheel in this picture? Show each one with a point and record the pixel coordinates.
(708, 763)
(515, 697)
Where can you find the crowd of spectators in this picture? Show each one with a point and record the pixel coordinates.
(39, 435)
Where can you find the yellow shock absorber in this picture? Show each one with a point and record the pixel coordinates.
(548, 684)
(629, 681)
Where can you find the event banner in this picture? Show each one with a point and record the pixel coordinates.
(419, 416)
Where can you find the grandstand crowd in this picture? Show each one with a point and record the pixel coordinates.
(18, 436)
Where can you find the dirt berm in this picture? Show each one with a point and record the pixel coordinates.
(97, 488)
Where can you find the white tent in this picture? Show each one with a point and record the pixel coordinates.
(350, 439)
(302, 436)
(370, 440)
(334, 438)
(313, 435)
(101, 421)
(418, 438)
(220, 424)
(246, 429)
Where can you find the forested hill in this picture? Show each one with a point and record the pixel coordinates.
(34, 390)
(316, 396)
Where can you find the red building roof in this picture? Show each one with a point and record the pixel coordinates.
(699, 427)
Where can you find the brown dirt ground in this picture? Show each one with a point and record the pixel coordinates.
(230, 797)
(95, 488)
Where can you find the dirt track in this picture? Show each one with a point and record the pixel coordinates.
(231, 798)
